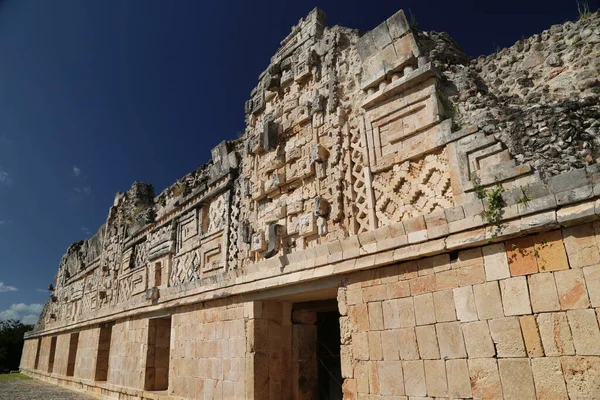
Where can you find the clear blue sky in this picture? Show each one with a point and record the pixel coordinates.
(97, 94)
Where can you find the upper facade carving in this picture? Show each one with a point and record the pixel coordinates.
(346, 134)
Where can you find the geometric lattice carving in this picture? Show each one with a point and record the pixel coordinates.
(359, 189)
(413, 188)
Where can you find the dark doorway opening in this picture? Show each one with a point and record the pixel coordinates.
(328, 355)
(73, 344)
(158, 354)
(52, 354)
(316, 327)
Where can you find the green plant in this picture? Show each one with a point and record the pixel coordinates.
(414, 24)
(523, 201)
(494, 211)
(583, 8)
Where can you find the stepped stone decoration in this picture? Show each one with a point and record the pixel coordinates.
(448, 208)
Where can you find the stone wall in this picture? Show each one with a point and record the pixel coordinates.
(29, 354)
(87, 351)
(61, 356)
(128, 353)
(513, 320)
(384, 177)
(209, 352)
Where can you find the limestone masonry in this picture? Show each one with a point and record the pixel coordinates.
(397, 221)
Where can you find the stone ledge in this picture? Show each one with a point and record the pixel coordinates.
(95, 388)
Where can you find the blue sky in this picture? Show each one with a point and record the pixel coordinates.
(97, 94)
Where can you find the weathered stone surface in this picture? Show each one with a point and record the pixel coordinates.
(428, 342)
(450, 339)
(572, 292)
(556, 334)
(531, 336)
(478, 340)
(496, 262)
(485, 379)
(515, 296)
(443, 301)
(435, 377)
(581, 247)
(459, 385)
(548, 378)
(414, 378)
(521, 257)
(586, 335)
(592, 280)
(487, 300)
(544, 296)
(464, 301)
(581, 376)
(506, 334)
(517, 378)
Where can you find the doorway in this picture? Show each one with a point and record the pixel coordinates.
(316, 339)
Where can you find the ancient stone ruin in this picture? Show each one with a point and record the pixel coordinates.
(398, 221)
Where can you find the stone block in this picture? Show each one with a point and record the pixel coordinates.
(435, 378)
(422, 284)
(485, 379)
(515, 296)
(414, 378)
(375, 316)
(478, 340)
(517, 379)
(361, 374)
(506, 334)
(556, 334)
(582, 377)
(548, 378)
(396, 290)
(543, 293)
(495, 262)
(488, 301)
(427, 341)
(572, 292)
(471, 274)
(592, 281)
(408, 347)
(450, 339)
(390, 378)
(389, 345)
(446, 280)
(360, 346)
(586, 335)
(424, 309)
(580, 243)
(398, 25)
(359, 317)
(464, 302)
(568, 180)
(550, 252)
(521, 256)
(531, 336)
(454, 214)
(577, 213)
(575, 195)
(443, 302)
(375, 352)
(459, 383)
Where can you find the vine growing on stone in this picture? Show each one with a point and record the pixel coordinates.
(494, 211)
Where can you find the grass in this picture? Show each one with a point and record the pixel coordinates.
(12, 377)
(583, 8)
